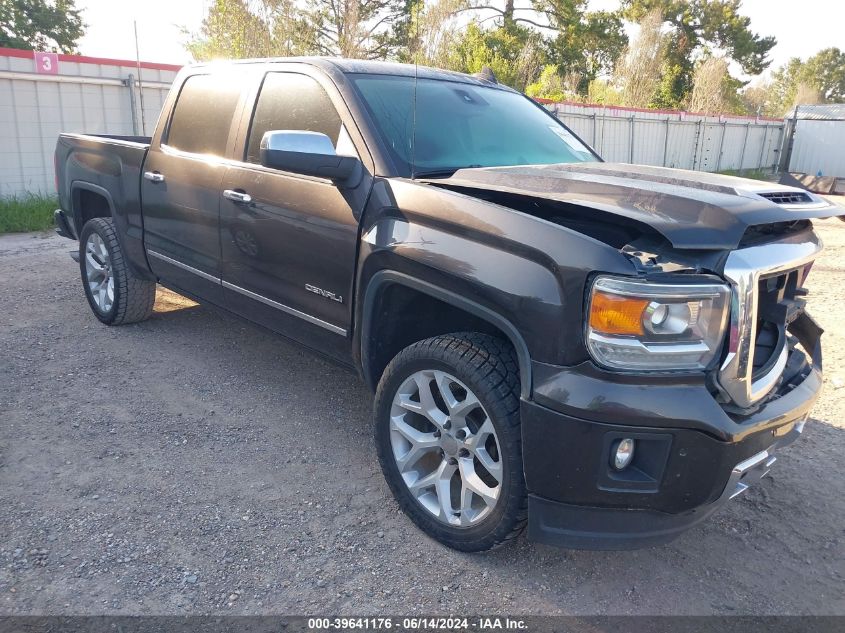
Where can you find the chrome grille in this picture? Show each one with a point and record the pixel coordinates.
(743, 269)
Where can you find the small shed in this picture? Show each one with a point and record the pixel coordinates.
(817, 148)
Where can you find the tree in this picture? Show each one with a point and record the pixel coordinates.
(265, 28)
(697, 27)
(427, 33)
(708, 94)
(552, 85)
(236, 29)
(40, 25)
(585, 42)
(825, 71)
(821, 79)
(601, 91)
(638, 70)
(355, 28)
(511, 53)
(561, 33)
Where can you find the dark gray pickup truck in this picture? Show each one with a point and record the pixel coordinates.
(604, 353)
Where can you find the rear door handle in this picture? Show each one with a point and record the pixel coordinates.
(154, 176)
(237, 196)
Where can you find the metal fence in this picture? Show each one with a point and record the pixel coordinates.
(817, 141)
(102, 96)
(82, 94)
(676, 139)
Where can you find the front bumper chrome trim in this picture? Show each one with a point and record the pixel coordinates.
(753, 469)
(743, 269)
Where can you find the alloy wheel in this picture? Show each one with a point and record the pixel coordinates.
(98, 272)
(446, 448)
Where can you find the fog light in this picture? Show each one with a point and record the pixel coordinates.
(623, 453)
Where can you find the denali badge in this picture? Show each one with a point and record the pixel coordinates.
(324, 293)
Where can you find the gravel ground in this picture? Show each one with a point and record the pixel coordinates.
(196, 464)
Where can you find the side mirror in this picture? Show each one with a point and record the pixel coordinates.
(307, 153)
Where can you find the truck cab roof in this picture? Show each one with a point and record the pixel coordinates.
(345, 66)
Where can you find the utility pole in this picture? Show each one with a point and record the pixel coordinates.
(140, 81)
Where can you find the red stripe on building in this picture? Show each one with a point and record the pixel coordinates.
(83, 59)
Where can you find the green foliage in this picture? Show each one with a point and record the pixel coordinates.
(732, 98)
(236, 29)
(40, 25)
(555, 49)
(696, 27)
(586, 43)
(821, 79)
(672, 88)
(426, 32)
(507, 51)
(754, 174)
(549, 85)
(581, 44)
(602, 92)
(355, 28)
(28, 213)
(825, 71)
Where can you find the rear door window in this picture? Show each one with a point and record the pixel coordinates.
(203, 114)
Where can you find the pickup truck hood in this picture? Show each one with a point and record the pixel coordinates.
(691, 209)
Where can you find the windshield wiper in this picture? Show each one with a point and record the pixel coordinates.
(442, 173)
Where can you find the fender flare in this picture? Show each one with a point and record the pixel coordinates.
(77, 185)
(383, 278)
(136, 257)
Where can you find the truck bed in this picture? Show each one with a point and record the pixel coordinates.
(137, 140)
(93, 168)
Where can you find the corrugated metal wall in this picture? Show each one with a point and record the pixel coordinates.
(818, 148)
(84, 97)
(675, 139)
(95, 98)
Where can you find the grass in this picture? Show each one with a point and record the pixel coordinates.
(33, 212)
(754, 174)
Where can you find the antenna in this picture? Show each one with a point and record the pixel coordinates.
(140, 83)
(414, 124)
(486, 73)
(414, 104)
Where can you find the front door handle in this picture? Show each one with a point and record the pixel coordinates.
(154, 176)
(237, 196)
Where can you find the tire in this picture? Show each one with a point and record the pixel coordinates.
(483, 503)
(115, 295)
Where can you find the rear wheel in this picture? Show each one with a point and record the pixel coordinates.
(115, 295)
(448, 439)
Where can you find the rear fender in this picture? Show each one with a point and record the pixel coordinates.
(132, 247)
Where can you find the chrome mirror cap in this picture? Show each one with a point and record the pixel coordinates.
(298, 141)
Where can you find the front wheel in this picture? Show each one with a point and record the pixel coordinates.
(115, 294)
(448, 439)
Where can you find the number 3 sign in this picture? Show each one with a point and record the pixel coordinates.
(47, 63)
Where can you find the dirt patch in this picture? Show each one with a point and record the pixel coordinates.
(196, 464)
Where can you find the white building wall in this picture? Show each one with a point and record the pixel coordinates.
(84, 97)
(819, 148)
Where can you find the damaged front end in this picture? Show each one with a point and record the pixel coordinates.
(771, 344)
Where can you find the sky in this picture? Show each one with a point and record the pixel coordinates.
(801, 29)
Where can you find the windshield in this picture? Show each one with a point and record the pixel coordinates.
(463, 125)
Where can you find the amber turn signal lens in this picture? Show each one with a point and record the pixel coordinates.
(615, 314)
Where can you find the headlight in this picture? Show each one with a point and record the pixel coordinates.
(645, 326)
